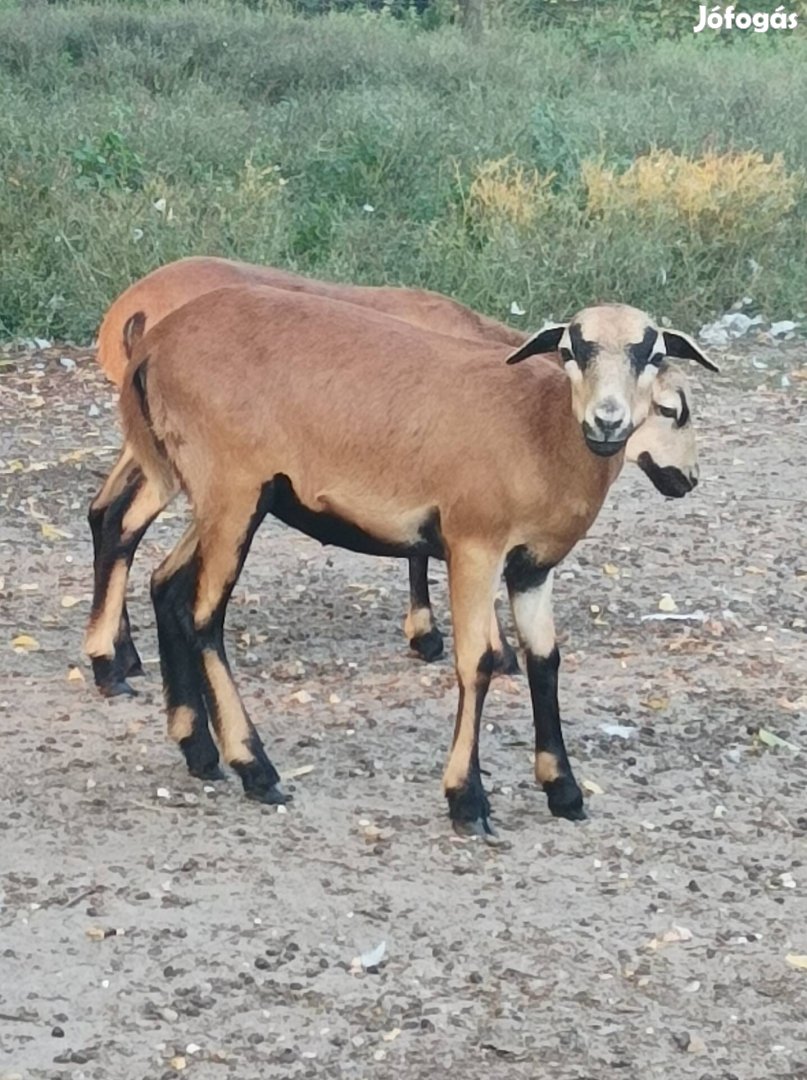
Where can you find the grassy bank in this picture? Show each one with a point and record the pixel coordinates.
(535, 166)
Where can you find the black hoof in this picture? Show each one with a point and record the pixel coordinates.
(565, 799)
(260, 782)
(429, 647)
(506, 662)
(109, 679)
(118, 689)
(481, 828)
(127, 660)
(210, 773)
(272, 796)
(469, 809)
(201, 756)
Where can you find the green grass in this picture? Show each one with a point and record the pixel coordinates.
(268, 133)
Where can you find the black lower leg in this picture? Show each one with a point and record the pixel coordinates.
(468, 805)
(111, 547)
(182, 676)
(130, 662)
(258, 775)
(552, 768)
(427, 643)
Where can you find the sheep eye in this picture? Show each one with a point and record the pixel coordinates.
(657, 359)
(566, 355)
(666, 410)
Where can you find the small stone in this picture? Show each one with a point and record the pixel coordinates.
(169, 1015)
(785, 326)
(696, 1045)
(178, 1062)
(57, 1032)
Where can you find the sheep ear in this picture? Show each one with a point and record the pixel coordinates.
(545, 341)
(683, 347)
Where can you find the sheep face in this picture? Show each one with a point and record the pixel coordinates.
(664, 446)
(612, 354)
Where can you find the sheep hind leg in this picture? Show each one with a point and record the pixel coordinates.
(119, 516)
(173, 590)
(424, 638)
(505, 658)
(223, 547)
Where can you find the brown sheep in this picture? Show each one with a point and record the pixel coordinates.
(321, 423)
(672, 469)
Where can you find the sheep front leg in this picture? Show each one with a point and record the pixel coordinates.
(424, 637)
(530, 587)
(472, 575)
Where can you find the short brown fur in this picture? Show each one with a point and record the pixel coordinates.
(169, 287)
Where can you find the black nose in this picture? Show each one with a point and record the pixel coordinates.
(608, 427)
(606, 437)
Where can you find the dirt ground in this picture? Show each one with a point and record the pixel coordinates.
(660, 939)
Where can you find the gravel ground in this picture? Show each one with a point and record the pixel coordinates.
(150, 926)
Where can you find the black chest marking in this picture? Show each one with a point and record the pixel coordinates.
(523, 572)
(279, 499)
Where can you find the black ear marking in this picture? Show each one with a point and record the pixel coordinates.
(683, 347)
(545, 341)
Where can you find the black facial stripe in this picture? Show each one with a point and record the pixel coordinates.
(640, 352)
(683, 419)
(582, 350)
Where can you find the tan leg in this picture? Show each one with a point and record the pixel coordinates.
(119, 516)
(530, 586)
(223, 546)
(473, 572)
